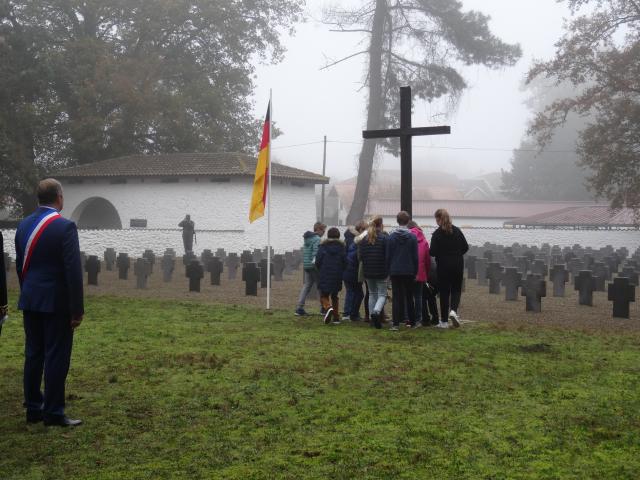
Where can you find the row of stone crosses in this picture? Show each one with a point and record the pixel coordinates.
(254, 267)
(524, 269)
(519, 269)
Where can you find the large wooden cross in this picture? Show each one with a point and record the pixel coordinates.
(405, 133)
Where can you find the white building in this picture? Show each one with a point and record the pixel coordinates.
(153, 193)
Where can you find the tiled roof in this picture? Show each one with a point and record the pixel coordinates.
(507, 210)
(585, 216)
(182, 165)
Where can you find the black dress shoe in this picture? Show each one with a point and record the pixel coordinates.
(34, 416)
(61, 421)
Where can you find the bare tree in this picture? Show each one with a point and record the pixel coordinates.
(421, 43)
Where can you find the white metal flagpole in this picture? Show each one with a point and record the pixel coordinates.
(269, 204)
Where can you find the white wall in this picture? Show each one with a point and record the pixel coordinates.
(219, 210)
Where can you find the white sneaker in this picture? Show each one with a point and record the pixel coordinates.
(442, 324)
(455, 320)
(328, 315)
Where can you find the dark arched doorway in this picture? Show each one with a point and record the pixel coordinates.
(97, 212)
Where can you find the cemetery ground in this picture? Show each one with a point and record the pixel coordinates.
(183, 387)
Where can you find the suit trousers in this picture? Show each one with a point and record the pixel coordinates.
(49, 339)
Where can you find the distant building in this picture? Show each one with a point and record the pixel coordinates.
(590, 217)
(156, 191)
(476, 202)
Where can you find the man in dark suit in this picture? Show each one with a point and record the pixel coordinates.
(4, 307)
(51, 299)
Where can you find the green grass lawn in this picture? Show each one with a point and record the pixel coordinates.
(184, 390)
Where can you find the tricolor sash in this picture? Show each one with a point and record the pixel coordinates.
(43, 220)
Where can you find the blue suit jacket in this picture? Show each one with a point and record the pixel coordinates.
(53, 282)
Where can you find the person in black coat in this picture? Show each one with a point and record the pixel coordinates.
(331, 261)
(4, 302)
(353, 284)
(402, 265)
(372, 253)
(448, 246)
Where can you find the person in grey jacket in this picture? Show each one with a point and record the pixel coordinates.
(402, 265)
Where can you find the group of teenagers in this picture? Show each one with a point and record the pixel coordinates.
(368, 259)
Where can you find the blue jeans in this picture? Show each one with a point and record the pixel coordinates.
(353, 299)
(310, 279)
(377, 294)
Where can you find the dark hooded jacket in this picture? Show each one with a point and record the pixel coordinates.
(349, 235)
(331, 261)
(350, 274)
(402, 253)
(374, 265)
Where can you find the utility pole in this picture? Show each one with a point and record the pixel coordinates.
(324, 169)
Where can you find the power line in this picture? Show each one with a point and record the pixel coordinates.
(434, 147)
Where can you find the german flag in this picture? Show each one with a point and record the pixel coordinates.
(261, 179)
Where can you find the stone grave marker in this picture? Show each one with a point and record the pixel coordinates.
(575, 265)
(151, 258)
(92, 267)
(631, 274)
(215, 268)
(621, 293)
(522, 264)
(495, 273)
(512, 280)
(470, 262)
(142, 270)
(559, 278)
(205, 256)
(123, 263)
(539, 267)
(109, 259)
(481, 270)
(246, 257)
(83, 260)
(585, 284)
(587, 260)
(7, 261)
(534, 289)
(170, 251)
(187, 257)
(288, 263)
(168, 265)
(233, 262)
(257, 255)
(601, 274)
(251, 277)
(221, 254)
(263, 273)
(613, 263)
(278, 267)
(194, 272)
(509, 260)
(488, 254)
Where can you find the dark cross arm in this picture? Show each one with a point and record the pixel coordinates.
(398, 132)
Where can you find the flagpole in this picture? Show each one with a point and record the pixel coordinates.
(269, 204)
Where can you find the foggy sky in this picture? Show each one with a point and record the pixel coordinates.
(489, 121)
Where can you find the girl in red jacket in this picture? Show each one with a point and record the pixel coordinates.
(424, 262)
